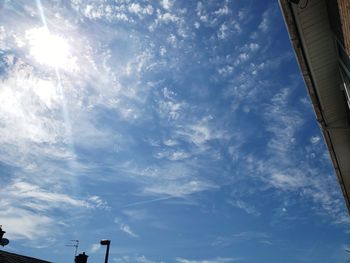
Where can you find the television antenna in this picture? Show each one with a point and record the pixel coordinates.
(75, 244)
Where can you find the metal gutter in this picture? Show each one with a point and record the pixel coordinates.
(299, 49)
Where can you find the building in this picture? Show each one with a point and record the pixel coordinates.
(320, 34)
(7, 257)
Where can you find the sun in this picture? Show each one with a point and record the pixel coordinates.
(49, 49)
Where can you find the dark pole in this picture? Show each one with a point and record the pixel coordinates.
(106, 242)
(107, 253)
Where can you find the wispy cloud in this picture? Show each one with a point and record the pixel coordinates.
(214, 260)
(167, 4)
(277, 168)
(315, 139)
(202, 131)
(94, 248)
(34, 207)
(168, 180)
(222, 11)
(34, 197)
(21, 223)
(125, 228)
(21, 193)
(140, 10)
(180, 189)
(258, 237)
(162, 103)
(265, 22)
(248, 208)
(135, 258)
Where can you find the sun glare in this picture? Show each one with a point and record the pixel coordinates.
(49, 49)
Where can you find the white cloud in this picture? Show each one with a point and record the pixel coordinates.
(143, 259)
(166, 4)
(137, 9)
(202, 131)
(222, 11)
(3, 36)
(97, 202)
(277, 167)
(94, 248)
(283, 124)
(214, 260)
(315, 139)
(99, 10)
(249, 209)
(136, 214)
(29, 210)
(135, 258)
(179, 155)
(20, 223)
(223, 31)
(24, 102)
(167, 18)
(254, 47)
(180, 188)
(265, 22)
(243, 57)
(34, 197)
(203, 18)
(242, 14)
(175, 179)
(293, 179)
(170, 109)
(257, 237)
(172, 40)
(226, 70)
(173, 155)
(170, 142)
(236, 26)
(162, 51)
(125, 228)
(199, 8)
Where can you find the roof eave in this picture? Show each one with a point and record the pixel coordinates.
(290, 21)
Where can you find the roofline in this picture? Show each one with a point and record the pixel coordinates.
(299, 50)
(6, 254)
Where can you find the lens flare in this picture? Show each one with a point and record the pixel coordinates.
(49, 49)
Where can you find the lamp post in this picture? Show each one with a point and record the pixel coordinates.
(106, 242)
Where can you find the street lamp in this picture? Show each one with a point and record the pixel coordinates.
(106, 242)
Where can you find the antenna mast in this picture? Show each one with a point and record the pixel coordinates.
(76, 245)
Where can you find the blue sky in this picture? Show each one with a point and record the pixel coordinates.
(180, 130)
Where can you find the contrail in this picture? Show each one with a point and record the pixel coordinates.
(147, 201)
